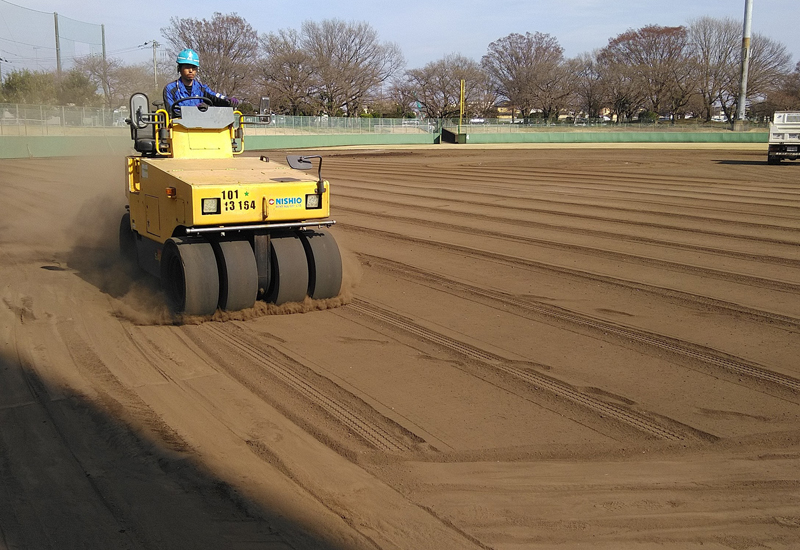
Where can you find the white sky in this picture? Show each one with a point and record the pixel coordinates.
(427, 30)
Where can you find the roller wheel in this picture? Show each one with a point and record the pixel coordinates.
(238, 275)
(127, 240)
(324, 264)
(189, 277)
(289, 280)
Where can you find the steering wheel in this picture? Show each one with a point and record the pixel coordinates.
(204, 99)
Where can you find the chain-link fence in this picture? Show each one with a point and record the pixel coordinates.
(46, 120)
(20, 119)
(289, 125)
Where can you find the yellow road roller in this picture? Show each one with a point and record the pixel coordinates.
(218, 229)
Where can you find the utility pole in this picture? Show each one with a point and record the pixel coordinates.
(155, 66)
(58, 47)
(106, 91)
(738, 125)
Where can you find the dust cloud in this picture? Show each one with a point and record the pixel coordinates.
(137, 297)
(71, 218)
(94, 256)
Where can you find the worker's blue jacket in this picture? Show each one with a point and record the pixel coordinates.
(177, 90)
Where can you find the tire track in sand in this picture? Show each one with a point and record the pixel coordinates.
(751, 280)
(662, 292)
(289, 372)
(761, 258)
(663, 430)
(560, 207)
(682, 348)
(719, 195)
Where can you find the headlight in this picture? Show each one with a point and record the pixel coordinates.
(210, 206)
(313, 201)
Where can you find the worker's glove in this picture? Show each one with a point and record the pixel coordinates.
(234, 102)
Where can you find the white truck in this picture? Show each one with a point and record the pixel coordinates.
(784, 137)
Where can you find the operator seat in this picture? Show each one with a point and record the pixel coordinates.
(142, 133)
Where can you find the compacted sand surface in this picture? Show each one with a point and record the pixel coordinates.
(534, 348)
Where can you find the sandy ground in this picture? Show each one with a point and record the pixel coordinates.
(535, 348)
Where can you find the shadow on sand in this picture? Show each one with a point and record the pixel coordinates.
(73, 475)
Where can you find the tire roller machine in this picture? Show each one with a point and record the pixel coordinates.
(218, 229)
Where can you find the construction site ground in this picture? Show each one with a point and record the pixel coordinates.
(538, 348)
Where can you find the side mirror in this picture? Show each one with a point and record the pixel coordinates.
(139, 106)
(299, 163)
(304, 163)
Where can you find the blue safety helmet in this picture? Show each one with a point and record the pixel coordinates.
(189, 57)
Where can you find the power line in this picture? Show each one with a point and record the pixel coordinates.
(24, 8)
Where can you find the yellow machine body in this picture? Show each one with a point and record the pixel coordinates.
(218, 229)
(168, 193)
(200, 143)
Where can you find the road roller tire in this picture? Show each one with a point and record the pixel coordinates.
(289, 277)
(324, 264)
(238, 275)
(189, 277)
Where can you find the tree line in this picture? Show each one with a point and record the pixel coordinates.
(339, 68)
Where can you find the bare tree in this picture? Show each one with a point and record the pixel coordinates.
(769, 65)
(349, 63)
(526, 70)
(590, 89)
(437, 85)
(286, 72)
(552, 93)
(100, 72)
(403, 96)
(118, 81)
(714, 45)
(657, 59)
(624, 96)
(227, 45)
(484, 97)
(787, 97)
(129, 79)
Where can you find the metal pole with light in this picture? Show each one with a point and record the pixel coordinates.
(738, 125)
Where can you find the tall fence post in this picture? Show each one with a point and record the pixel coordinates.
(58, 46)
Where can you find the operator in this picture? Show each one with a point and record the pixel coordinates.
(189, 86)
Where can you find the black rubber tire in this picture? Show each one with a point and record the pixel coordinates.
(238, 275)
(127, 241)
(289, 277)
(324, 264)
(189, 277)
